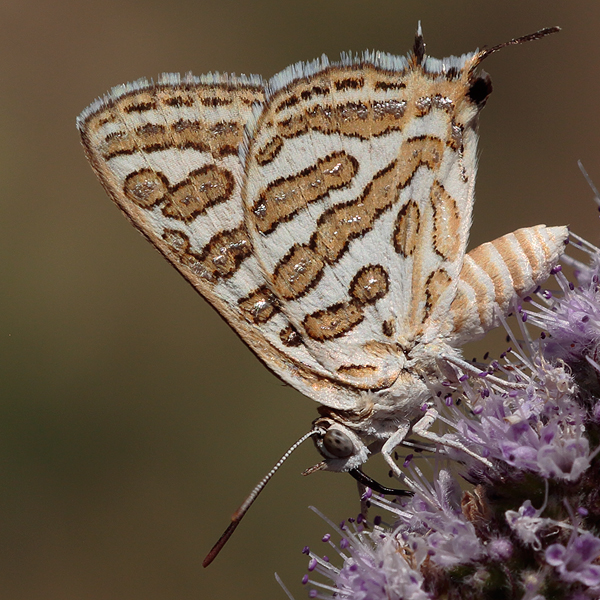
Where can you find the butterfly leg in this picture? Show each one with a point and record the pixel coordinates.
(388, 448)
(422, 429)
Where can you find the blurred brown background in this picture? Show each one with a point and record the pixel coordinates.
(132, 420)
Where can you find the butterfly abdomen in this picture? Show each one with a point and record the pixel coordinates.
(496, 273)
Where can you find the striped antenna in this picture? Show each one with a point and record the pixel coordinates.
(516, 41)
(252, 496)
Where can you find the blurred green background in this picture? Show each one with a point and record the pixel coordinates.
(132, 420)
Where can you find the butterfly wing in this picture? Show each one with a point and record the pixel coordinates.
(335, 242)
(358, 195)
(167, 154)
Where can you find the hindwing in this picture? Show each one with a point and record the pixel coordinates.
(358, 196)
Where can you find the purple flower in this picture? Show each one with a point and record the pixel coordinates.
(522, 430)
(378, 570)
(500, 549)
(537, 428)
(576, 561)
(526, 523)
(532, 582)
(376, 567)
(572, 320)
(564, 458)
(433, 524)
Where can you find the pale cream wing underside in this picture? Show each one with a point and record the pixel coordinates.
(335, 244)
(359, 188)
(167, 153)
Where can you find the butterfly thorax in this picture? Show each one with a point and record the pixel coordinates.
(381, 413)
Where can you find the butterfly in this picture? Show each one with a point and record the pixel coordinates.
(325, 214)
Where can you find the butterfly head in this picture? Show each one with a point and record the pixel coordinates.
(342, 449)
(478, 83)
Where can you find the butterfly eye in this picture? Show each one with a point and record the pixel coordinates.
(480, 89)
(338, 443)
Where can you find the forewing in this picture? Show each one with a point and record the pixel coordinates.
(358, 192)
(167, 153)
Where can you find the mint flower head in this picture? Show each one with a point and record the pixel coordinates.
(377, 565)
(523, 433)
